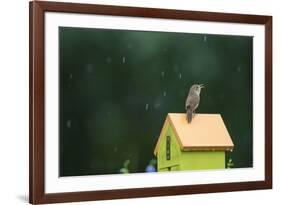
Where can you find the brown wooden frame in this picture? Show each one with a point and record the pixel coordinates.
(37, 194)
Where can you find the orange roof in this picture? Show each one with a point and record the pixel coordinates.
(205, 132)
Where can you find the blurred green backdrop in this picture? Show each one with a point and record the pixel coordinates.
(116, 88)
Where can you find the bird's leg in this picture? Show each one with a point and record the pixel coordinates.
(193, 113)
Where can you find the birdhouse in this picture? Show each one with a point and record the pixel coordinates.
(198, 145)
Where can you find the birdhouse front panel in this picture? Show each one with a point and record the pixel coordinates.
(196, 160)
(168, 155)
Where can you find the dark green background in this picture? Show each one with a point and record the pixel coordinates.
(117, 87)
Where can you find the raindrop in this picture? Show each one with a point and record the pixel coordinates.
(89, 68)
(163, 74)
(123, 60)
(205, 38)
(68, 123)
(115, 149)
(156, 105)
(146, 106)
(108, 60)
(164, 93)
(180, 75)
(238, 69)
(70, 76)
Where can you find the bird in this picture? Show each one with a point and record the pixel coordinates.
(192, 101)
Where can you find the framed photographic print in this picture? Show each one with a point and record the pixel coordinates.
(137, 102)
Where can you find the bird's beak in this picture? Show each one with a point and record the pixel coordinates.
(202, 86)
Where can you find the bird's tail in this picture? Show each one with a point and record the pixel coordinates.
(188, 115)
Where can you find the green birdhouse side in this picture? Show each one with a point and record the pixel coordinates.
(196, 146)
